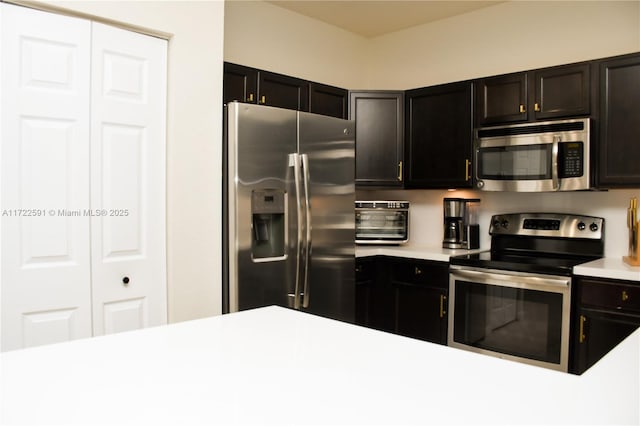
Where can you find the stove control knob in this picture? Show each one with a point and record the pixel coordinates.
(504, 223)
(593, 227)
(581, 226)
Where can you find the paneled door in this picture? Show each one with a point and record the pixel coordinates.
(128, 108)
(44, 157)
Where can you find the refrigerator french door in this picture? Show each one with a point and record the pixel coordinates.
(289, 211)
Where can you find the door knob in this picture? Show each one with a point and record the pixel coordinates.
(125, 280)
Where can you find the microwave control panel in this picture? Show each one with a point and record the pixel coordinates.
(570, 159)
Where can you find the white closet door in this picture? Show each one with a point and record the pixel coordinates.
(44, 154)
(128, 108)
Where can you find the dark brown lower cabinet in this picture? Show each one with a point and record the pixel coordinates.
(601, 332)
(421, 312)
(403, 296)
(375, 306)
(421, 290)
(607, 312)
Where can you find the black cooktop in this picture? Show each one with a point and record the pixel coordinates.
(525, 262)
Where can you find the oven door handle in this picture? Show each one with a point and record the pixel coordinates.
(485, 277)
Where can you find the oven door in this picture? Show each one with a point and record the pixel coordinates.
(518, 316)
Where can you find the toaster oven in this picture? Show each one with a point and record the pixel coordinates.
(382, 222)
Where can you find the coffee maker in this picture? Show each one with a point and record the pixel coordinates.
(461, 229)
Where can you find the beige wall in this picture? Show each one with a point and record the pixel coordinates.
(194, 137)
(269, 37)
(507, 37)
(510, 36)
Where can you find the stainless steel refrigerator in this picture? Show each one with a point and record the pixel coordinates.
(289, 223)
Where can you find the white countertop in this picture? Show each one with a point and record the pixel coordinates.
(608, 267)
(276, 366)
(411, 252)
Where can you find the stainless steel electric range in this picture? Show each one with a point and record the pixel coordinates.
(514, 301)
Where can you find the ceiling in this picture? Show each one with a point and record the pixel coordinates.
(375, 18)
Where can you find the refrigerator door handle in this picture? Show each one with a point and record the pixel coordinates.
(307, 248)
(294, 161)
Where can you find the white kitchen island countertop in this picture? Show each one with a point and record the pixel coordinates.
(276, 366)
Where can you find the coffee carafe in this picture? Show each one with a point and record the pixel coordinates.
(461, 229)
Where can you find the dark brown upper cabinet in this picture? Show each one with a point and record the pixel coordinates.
(379, 117)
(542, 94)
(619, 135)
(251, 85)
(240, 84)
(562, 91)
(439, 136)
(328, 100)
(501, 99)
(283, 91)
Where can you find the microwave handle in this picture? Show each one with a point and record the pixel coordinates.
(554, 163)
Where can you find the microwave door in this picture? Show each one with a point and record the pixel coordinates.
(522, 168)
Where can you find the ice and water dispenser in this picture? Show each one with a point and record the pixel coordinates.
(268, 236)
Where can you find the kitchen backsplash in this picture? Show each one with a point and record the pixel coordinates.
(425, 220)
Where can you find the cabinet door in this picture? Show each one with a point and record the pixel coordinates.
(439, 137)
(375, 306)
(128, 107)
(421, 289)
(421, 312)
(379, 117)
(501, 99)
(598, 332)
(240, 83)
(365, 280)
(44, 98)
(562, 92)
(283, 91)
(619, 144)
(328, 100)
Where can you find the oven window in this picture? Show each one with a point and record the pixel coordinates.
(525, 162)
(519, 322)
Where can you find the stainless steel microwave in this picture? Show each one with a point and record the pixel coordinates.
(382, 222)
(533, 157)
